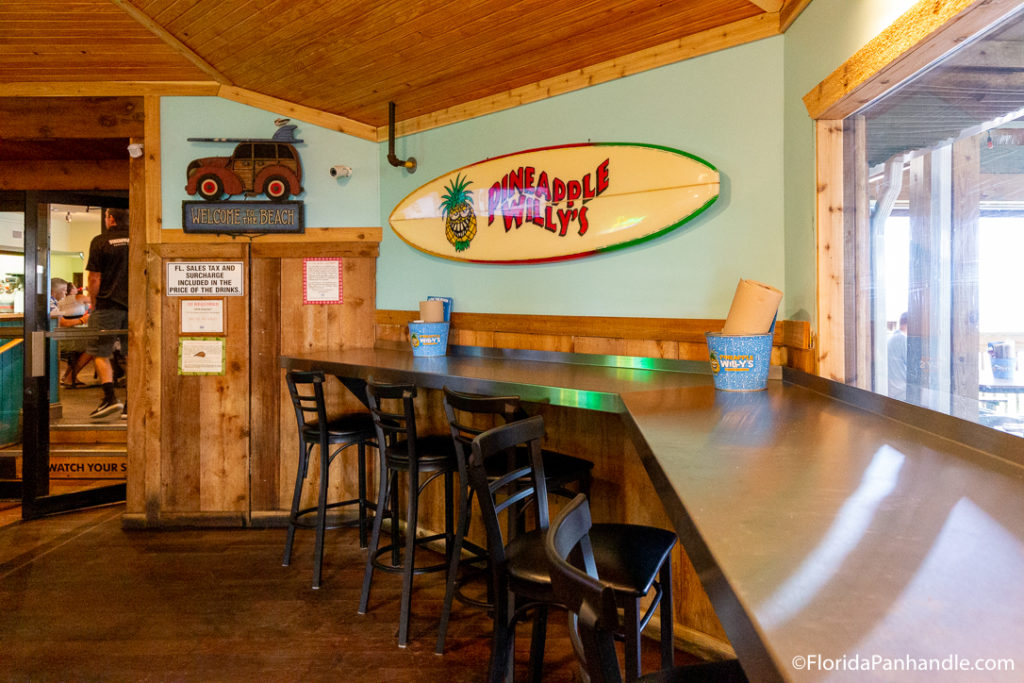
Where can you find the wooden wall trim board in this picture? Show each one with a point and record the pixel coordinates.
(298, 111)
(705, 42)
(669, 338)
(790, 12)
(322, 235)
(792, 333)
(925, 32)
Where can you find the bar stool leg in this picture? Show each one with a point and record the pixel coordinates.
(453, 568)
(537, 639)
(321, 513)
(631, 627)
(396, 557)
(503, 639)
(411, 521)
(668, 655)
(362, 493)
(300, 476)
(382, 497)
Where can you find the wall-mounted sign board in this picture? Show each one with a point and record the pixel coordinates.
(322, 281)
(201, 355)
(556, 202)
(244, 217)
(202, 316)
(205, 278)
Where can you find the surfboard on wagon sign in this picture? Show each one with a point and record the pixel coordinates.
(556, 203)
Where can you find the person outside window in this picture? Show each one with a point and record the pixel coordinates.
(897, 347)
(108, 293)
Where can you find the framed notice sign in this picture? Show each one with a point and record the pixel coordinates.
(201, 356)
(202, 316)
(322, 281)
(205, 278)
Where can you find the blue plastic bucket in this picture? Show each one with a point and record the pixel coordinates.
(739, 362)
(1002, 368)
(428, 339)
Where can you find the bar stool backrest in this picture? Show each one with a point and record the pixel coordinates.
(307, 392)
(466, 412)
(391, 425)
(581, 591)
(520, 486)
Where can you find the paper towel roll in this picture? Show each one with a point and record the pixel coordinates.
(432, 311)
(753, 308)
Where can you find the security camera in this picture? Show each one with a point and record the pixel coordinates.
(341, 171)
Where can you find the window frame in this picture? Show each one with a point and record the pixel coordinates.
(923, 35)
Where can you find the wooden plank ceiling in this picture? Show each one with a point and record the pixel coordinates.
(351, 58)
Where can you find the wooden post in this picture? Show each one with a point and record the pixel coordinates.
(965, 338)
(831, 282)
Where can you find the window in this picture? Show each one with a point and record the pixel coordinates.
(932, 265)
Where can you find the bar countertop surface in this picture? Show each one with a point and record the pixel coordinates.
(835, 542)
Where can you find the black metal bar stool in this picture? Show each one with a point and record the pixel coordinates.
(467, 416)
(403, 450)
(577, 584)
(634, 559)
(350, 429)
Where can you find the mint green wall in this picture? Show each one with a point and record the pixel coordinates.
(725, 107)
(824, 36)
(329, 202)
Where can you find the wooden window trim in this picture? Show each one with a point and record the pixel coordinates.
(925, 33)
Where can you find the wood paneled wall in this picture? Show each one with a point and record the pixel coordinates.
(220, 449)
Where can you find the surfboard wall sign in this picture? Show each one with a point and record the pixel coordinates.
(556, 203)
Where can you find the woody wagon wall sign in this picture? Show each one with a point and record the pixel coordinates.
(268, 166)
(556, 203)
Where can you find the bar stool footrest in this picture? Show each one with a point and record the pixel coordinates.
(441, 566)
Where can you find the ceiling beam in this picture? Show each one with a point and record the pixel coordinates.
(768, 5)
(71, 117)
(105, 174)
(106, 88)
(170, 40)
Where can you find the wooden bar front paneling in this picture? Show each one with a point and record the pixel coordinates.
(673, 338)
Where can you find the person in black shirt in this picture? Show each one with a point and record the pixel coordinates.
(108, 292)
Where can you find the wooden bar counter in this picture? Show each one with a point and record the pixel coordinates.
(833, 541)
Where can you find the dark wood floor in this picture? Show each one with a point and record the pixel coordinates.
(81, 599)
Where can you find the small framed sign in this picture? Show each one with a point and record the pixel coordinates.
(322, 281)
(201, 355)
(202, 316)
